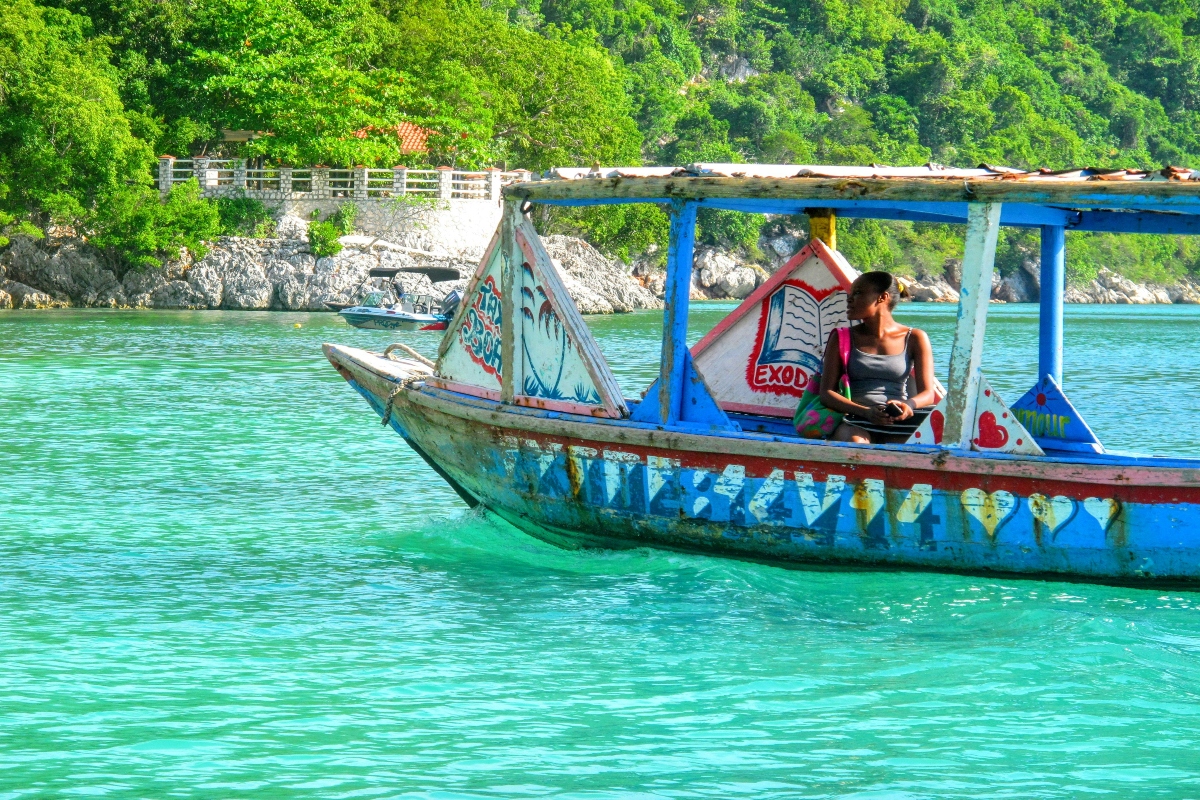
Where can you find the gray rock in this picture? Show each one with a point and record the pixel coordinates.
(339, 279)
(64, 268)
(785, 246)
(206, 281)
(177, 295)
(291, 226)
(739, 282)
(24, 296)
(246, 287)
(736, 69)
(1015, 288)
(953, 270)
(711, 265)
(6, 301)
(719, 275)
(1184, 292)
(599, 286)
(1077, 294)
(139, 288)
(930, 290)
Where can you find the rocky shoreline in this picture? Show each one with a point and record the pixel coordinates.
(276, 274)
(281, 274)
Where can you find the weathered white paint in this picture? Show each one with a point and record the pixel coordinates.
(554, 354)
(760, 357)
(979, 256)
(508, 251)
(471, 351)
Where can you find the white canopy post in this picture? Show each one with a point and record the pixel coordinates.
(979, 260)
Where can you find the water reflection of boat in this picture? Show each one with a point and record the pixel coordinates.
(521, 413)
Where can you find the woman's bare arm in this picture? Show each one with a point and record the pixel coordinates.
(922, 355)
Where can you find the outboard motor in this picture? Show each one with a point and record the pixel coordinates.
(450, 303)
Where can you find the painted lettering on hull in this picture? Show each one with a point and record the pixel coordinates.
(866, 514)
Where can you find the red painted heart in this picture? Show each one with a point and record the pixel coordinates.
(991, 435)
(937, 421)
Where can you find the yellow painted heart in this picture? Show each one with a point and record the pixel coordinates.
(1053, 512)
(990, 509)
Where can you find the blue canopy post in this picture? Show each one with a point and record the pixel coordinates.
(666, 407)
(675, 318)
(1053, 285)
(680, 396)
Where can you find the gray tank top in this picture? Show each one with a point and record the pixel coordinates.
(876, 379)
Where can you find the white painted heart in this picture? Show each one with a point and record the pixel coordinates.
(1053, 512)
(1104, 509)
(990, 509)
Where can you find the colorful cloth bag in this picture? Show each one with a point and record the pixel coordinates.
(813, 420)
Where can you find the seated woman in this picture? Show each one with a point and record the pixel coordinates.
(882, 355)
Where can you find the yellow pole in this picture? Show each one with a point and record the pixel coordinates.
(822, 224)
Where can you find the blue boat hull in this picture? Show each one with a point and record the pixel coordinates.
(609, 483)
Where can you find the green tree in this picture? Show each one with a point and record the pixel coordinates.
(65, 141)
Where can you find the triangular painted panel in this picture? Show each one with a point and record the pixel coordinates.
(1055, 424)
(930, 431)
(697, 407)
(470, 352)
(996, 428)
(760, 357)
(556, 363)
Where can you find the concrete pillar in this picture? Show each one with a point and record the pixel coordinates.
(239, 175)
(200, 168)
(166, 174)
(445, 182)
(360, 182)
(320, 182)
(494, 174)
(399, 180)
(285, 180)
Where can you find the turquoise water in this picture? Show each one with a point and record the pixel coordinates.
(220, 577)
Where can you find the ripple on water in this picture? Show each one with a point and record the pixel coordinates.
(219, 576)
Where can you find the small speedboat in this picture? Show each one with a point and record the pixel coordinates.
(414, 312)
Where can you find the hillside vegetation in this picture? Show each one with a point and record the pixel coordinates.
(92, 90)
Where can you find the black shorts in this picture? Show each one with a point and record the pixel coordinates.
(905, 428)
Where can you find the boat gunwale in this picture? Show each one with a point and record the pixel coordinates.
(1101, 468)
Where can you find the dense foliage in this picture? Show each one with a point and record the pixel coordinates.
(91, 90)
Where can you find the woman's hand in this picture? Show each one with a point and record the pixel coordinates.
(905, 410)
(877, 415)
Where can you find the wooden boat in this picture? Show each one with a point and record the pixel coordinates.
(520, 412)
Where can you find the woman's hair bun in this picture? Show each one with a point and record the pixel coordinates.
(880, 282)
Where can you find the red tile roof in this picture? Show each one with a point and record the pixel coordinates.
(413, 138)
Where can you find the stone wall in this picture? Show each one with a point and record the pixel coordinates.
(450, 228)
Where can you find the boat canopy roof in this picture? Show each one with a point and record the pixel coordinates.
(1164, 201)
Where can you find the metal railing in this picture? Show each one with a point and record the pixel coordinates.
(230, 177)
